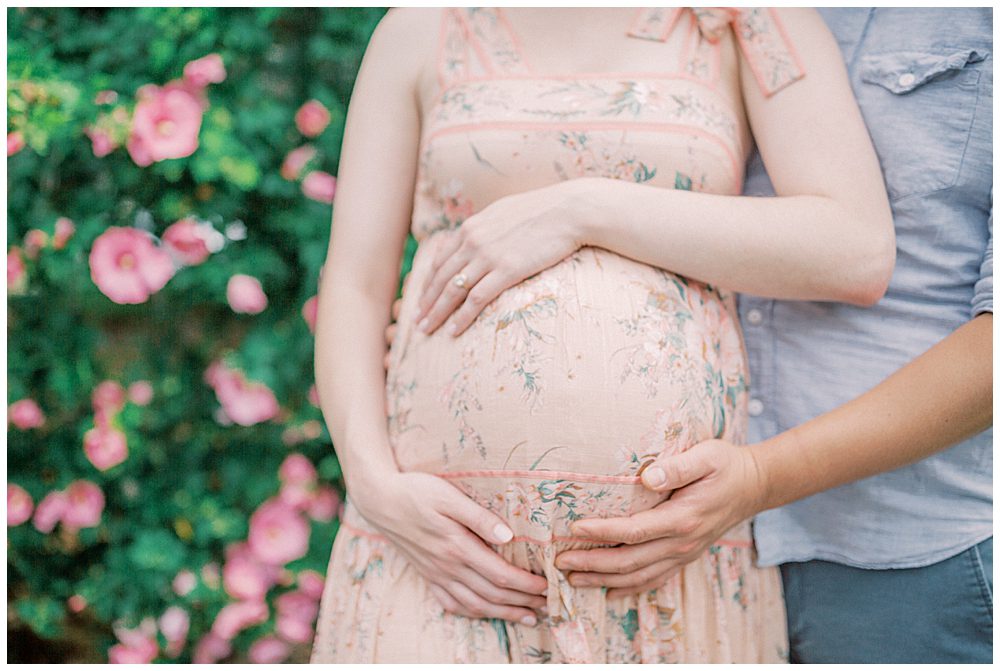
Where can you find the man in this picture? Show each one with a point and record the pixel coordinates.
(871, 446)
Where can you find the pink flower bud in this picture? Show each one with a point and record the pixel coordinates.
(85, 503)
(205, 70)
(312, 118)
(25, 414)
(15, 142)
(309, 312)
(245, 294)
(140, 392)
(105, 447)
(19, 505)
(65, 228)
(50, 511)
(269, 650)
(296, 160)
(320, 186)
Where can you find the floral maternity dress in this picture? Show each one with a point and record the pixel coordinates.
(548, 406)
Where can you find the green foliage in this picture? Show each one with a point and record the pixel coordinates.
(189, 484)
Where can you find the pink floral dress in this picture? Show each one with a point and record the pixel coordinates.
(569, 383)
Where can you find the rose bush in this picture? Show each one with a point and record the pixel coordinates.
(172, 492)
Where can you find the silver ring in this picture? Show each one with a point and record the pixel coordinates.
(460, 280)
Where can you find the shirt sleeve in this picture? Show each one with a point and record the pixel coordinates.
(982, 297)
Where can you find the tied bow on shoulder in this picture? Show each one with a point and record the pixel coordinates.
(758, 31)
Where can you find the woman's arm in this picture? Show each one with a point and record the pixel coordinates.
(432, 522)
(827, 236)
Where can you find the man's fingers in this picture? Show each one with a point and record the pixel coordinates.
(616, 592)
(626, 580)
(622, 559)
(666, 520)
(679, 470)
(480, 295)
(397, 306)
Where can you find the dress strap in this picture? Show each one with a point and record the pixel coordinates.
(762, 39)
(478, 42)
(758, 31)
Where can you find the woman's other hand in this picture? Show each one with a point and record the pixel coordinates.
(715, 484)
(506, 242)
(445, 535)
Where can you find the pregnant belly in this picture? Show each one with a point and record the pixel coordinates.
(547, 408)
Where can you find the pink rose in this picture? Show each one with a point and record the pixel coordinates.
(108, 397)
(184, 583)
(237, 616)
(253, 404)
(19, 505)
(312, 118)
(15, 142)
(324, 504)
(17, 276)
(244, 577)
(205, 70)
(127, 267)
(211, 649)
(320, 186)
(25, 414)
(311, 583)
(245, 295)
(165, 124)
(50, 511)
(174, 624)
(269, 650)
(309, 311)
(140, 153)
(123, 654)
(105, 446)
(297, 469)
(243, 402)
(140, 392)
(296, 160)
(65, 228)
(278, 534)
(34, 241)
(294, 630)
(184, 239)
(298, 605)
(85, 503)
(101, 142)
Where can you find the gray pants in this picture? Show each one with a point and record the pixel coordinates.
(942, 613)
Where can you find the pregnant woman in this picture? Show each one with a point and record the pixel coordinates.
(572, 177)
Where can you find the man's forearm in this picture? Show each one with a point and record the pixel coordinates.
(937, 400)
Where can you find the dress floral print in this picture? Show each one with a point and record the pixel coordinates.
(546, 410)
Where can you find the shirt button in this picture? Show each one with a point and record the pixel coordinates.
(755, 407)
(907, 79)
(755, 316)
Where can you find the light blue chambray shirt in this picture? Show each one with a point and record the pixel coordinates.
(924, 81)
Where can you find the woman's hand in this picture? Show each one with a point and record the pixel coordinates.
(444, 535)
(506, 242)
(716, 486)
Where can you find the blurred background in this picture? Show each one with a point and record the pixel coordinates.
(172, 493)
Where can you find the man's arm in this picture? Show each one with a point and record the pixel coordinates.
(937, 400)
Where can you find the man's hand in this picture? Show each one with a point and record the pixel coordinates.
(716, 485)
